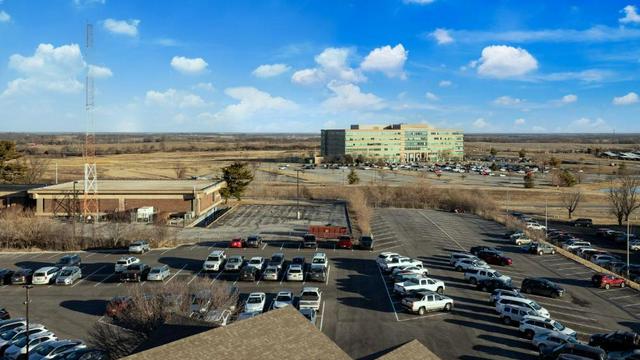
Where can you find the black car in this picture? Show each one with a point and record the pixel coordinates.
(135, 272)
(309, 241)
(317, 273)
(616, 341)
(583, 222)
(22, 277)
(540, 286)
(69, 260)
(254, 241)
(366, 242)
(4, 314)
(5, 276)
(586, 351)
(489, 285)
(249, 273)
(477, 249)
(277, 259)
(299, 260)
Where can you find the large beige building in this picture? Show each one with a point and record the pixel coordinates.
(394, 143)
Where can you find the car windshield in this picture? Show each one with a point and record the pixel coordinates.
(497, 274)
(234, 260)
(66, 272)
(283, 298)
(155, 271)
(277, 258)
(121, 262)
(213, 258)
(558, 326)
(316, 270)
(318, 261)
(294, 270)
(255, 261)
(535, 305)
(44, 349)
(22, 342)
(8, 335)
(254, 300)
(310, 294)
(38, 274)
(270, 270)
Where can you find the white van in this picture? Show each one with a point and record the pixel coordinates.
(514, 314)
(526, 304)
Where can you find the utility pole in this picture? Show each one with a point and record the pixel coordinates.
(298, 193)
(26, 303)
(628, 238)
(546, 217)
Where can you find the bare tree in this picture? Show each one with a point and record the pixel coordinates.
(623, 197)
(180, 170)
(570, 201)
(34, 169)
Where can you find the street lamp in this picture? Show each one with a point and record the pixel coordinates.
(298, 193)
(26, 303)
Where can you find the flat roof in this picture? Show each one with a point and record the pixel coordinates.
(136, 186)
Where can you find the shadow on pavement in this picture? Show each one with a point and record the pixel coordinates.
(91, 307)
(33, 265)
(178, 263)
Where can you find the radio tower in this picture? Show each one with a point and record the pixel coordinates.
(90, 203)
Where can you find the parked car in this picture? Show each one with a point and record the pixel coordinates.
(309, 241)
(51, 349)
(410, 269)
(607, 281)
(45, 275)
(605, 233)
(68, 275)
(214, 261)
(603, 259)
(539, 286)
(257, 262)
(236, 243)
(282, 299)
(475, 250)
(522, 302)
(317, 274)
(249, 273)
(514, 314)
(532, 225)
(271, 273)
(494, 258)
(541, 249)
(8, 337)
(419, 284)
(399, 261)
(117, 305)
(470, 263)
(497, 294)
(550, 340)
(532, 325)
(424, 301)
(255, 302)
(344, 242)
(574, 244)
(218, 317)
(69, 260)
(385, 256)
(299, 260)
(83, 354)
(319, 259)
(295, 272)
(583, 222)
(4, 314)
(310, 297)
(310, 314)
(474, 275)
(277, 259)
(616, 341)
(200, 302)
(366, 242)
(489, 285)
(234, 263)
(136, 272)
(22, 277)
(522, 240)
(18, 348)
(582, 350)
(254, 241)
(5, 276)
(139, 247)
(159, 273)
(123, 263)
(455, 257)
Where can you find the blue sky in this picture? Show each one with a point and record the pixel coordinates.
(299, 66)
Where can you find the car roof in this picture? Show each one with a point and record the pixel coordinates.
(47, 268)
(217, 252)
(515, 298)
(296, 266)
(310, 288)
(537, 318)
(254, 294)
(257, 258)
(70, 268)
(285, 292)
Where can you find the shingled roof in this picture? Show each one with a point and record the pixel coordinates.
(278, 334)
(413, 350)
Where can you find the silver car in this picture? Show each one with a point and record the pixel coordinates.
(18, 349)
(159, 273)
(234, 263)
(139, 247)
(50, 349)
(8, 337)
(271, 273)
(295, 273)
(68, 275)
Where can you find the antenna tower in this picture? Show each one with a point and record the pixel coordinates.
(90, 203)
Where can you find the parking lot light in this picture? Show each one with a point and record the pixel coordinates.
(26, 303)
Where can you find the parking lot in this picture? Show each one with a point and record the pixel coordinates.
(358, 310)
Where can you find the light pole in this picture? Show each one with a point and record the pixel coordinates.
(628, 238)
(26, 303)
(298, 193)
(546, 217)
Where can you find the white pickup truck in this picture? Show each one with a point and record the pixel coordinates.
(310, 298)
(422, 302)
(418, 284)
(397, 262)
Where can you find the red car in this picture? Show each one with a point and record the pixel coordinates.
(495, 258)
(607, 281)
(345, 242)
(236, 243)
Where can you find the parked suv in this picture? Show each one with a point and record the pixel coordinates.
(532, 325)
(139, 247)
(309, 241)
(583, 222)
(366, 242)
(616, 341)
(69, 260)
(607, 281)
(523, 303)
(234, 263)
(475, 275)
(254, 241)
(123, 263)
(513, 314)
(539, 286)
(489, 285)
(214, 261)
(423, 301)
(542, 249)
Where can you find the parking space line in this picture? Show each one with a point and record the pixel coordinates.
(90, 255)
(264, 245)
(388, 294)
(389, 248)
(630, 305)
(322, 315)
(622, 297)
(579, 272)
(329, 272)
(441, 229)
(586, 326)
(88, 276)
(195, 276)
(164, 252)
(424, 316)
(52, 256)
(177, 272)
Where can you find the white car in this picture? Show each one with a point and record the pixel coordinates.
(531, 326)
(464, 264)
(45, 275)
(455, 257)
(18, 349)
(418, 284)
(159, 273)
(524, 303)
(10, 336)
(551, 340)
(399, 261)
(295, 272)
(319, 260)
(256, 262)
(474, 275)
(123, 263)
(410, 269)
(139, 247)
(535, 226)
(603, 259)
(424, 301)
(68, 275)
(214, 261)
(255, 302)
(634, 245)
(572, 245)
(283, 298)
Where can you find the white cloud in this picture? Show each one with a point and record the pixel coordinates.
(418, 2)
(88, 2)
(480, 123)
(442, 36)
(568, 99)
(4, 17)
(597, 33)
(588, 125)
(188, 66)
(252, 101)
(501, 61)
(507, 101)
(122, 27)
(329, 124)
(332, 65)
(207, 86)
(431, 96)
(100, 72)
(50, 68)
(630, 98)
(520, 122)
(173, 98)
(388, 60)
(266, 71)
(445, 83)
(349, 97)
(592, 75)
(538, 129)
(630, 15)
(168, 42)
